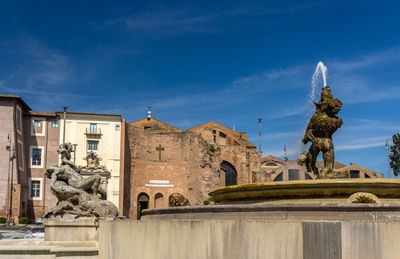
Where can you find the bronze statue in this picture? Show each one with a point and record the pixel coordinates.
(177, 200)
(77, 196)
(319, 132)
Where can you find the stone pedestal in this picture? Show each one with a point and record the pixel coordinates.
(80, 229)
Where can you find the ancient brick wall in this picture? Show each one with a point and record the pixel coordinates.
(162, 162)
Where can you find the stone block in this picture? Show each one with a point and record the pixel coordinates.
(322, 240)
(199, 239)
(81, 229)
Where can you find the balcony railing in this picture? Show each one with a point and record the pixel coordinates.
(91, 131)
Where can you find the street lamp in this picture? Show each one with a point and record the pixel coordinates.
(11, 181)
(387, 146)
(286, 161)
(285, 153)
(8, 148)
(259, 145)
(75, 152)
(65, 116)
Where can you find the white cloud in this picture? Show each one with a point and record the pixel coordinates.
(287, 112)
(47, 67)
(379, 58)
(364, 125)
(359, 146)
(41, 68)
(265, 79)
(350, 143)
(165, 19)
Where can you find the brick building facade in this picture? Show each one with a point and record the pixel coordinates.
(13, 168)
(161, 159)
(42, 134)
(29, 141)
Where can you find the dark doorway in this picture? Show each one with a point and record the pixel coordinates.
(230, 173)
(142, 204)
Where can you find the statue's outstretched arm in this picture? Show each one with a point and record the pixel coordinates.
(339, 122)
(54, 177)
(308, 136)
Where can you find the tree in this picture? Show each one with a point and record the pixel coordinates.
(395, 154)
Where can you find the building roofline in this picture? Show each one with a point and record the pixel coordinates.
(152, 118)
(46, 114)
(15, 97)
(356, 166)
(215, 123)
(89, 114)
(272, 158)
(248, 144)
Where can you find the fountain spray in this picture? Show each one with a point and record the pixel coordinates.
(320, 69)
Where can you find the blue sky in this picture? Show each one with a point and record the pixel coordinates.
(231, 62)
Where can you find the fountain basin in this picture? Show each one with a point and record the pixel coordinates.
(326, 199)
(312, 191)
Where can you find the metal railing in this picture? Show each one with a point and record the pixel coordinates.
(91, 131)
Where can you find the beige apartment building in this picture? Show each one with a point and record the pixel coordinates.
(97, 142)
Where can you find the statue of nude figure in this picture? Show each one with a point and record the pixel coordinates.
(69, 173)
(319, 132)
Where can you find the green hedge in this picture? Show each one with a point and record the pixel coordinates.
(23, 220)
(2, 220)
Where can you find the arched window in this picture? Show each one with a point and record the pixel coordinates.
(354, 174)
(230, 173)
(142, 203)
(158, 200)
(279, 177)
(271, 164)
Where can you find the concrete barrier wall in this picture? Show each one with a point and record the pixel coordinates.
(370, 240)
(200, 239)
(249, 239)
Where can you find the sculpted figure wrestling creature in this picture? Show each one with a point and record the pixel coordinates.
(319, 132)
(77, 196)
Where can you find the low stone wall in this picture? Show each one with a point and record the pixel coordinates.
(72, 239)
(39, 249)
(186, 239)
